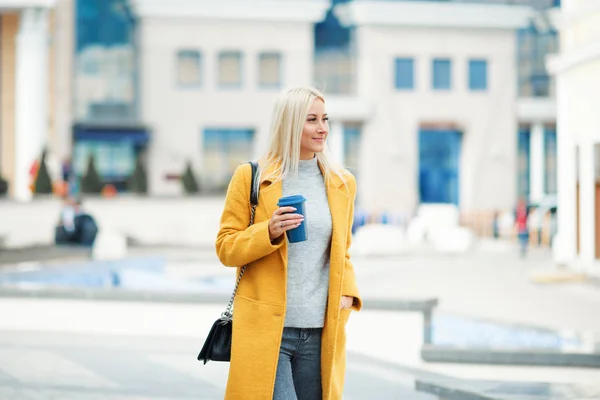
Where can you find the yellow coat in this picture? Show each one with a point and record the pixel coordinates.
(259, 309)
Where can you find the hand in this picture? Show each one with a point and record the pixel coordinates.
(346, 302)
(282, 221)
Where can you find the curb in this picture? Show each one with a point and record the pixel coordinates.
(521, 356)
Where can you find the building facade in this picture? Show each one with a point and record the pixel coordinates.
(577, 71)
(429, 101)
(444, 120)
(34, 100)
(210, 72)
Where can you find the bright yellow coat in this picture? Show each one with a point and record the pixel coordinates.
(259, 309)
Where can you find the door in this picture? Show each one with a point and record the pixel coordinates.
(439, 158)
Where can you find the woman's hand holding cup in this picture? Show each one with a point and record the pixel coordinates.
(282, 221)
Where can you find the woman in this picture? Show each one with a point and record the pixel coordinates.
(294, 300)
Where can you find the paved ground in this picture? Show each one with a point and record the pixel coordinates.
(85, 367)
(492, 282)
(52, 349)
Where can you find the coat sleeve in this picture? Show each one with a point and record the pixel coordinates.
(349, 286)
(237, 243)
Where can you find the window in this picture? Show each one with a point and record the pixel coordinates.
(112, 159)
(550, 161)
(269, 70)
(478, 74)
(352, 147)
(230, 69)
(224, 150)
(442, 74)
(523, 163)
(404, 73)
(188, 67)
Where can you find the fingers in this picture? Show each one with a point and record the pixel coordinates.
(289, 224)
(284, 220)
(285, 214)
(284, 210)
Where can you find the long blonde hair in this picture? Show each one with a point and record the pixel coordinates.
(287, 124)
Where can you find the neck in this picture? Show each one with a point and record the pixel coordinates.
(306, 155)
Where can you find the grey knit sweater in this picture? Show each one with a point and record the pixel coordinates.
(308, 261)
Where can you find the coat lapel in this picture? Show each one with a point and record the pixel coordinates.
(339, 206)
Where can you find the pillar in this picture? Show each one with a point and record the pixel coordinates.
(565, 245)
(537, 164)
(587, 204)
(31, 95)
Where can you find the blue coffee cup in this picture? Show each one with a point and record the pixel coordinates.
(298, 201)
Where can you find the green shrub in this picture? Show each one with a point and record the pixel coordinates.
(91, 181)
(3, 186)
(138, 181)
(43, 182)
(190, 184)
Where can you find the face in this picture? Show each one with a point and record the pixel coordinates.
(315, 131)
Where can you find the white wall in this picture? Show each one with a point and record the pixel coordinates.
(390, 165)
(578, 72)
(177, 115)
(192, 221)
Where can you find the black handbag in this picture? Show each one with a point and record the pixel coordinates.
(217, 346)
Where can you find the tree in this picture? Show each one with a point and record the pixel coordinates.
(190, 184)
(138, 181)
(91, 181)
(3, 186)
(43, 182)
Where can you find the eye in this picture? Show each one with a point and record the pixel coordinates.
(326, 119)
(311, 119)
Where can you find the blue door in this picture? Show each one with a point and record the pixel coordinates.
(439, 157)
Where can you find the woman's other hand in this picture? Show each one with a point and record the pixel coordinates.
(346, 302)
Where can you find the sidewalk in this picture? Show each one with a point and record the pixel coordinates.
(485, 284)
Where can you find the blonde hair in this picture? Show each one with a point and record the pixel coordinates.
(287, 124)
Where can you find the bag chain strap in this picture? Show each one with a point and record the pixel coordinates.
(228, 312)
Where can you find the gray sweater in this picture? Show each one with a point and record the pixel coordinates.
(308, 261)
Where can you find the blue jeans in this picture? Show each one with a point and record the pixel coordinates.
(299, 366)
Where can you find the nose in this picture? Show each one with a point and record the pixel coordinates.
(322, 128)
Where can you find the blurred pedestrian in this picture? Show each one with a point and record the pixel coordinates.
(496, 225)
(295, 299)
(521, 225)
(75, 226)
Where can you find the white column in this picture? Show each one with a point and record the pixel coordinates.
(31, 95)
(536, 162)
(565, 244)
(64, 43)
(587, 202)
(335, 142)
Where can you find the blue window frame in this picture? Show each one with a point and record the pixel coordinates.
(230, 69)
(352, 134)
(113, 159)
(478, 75)
(223, 150)
(189, 68)
(442, 74)
(523, 163)
(439, 166)
(405, 73)
(269, 70)
(550, 159)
